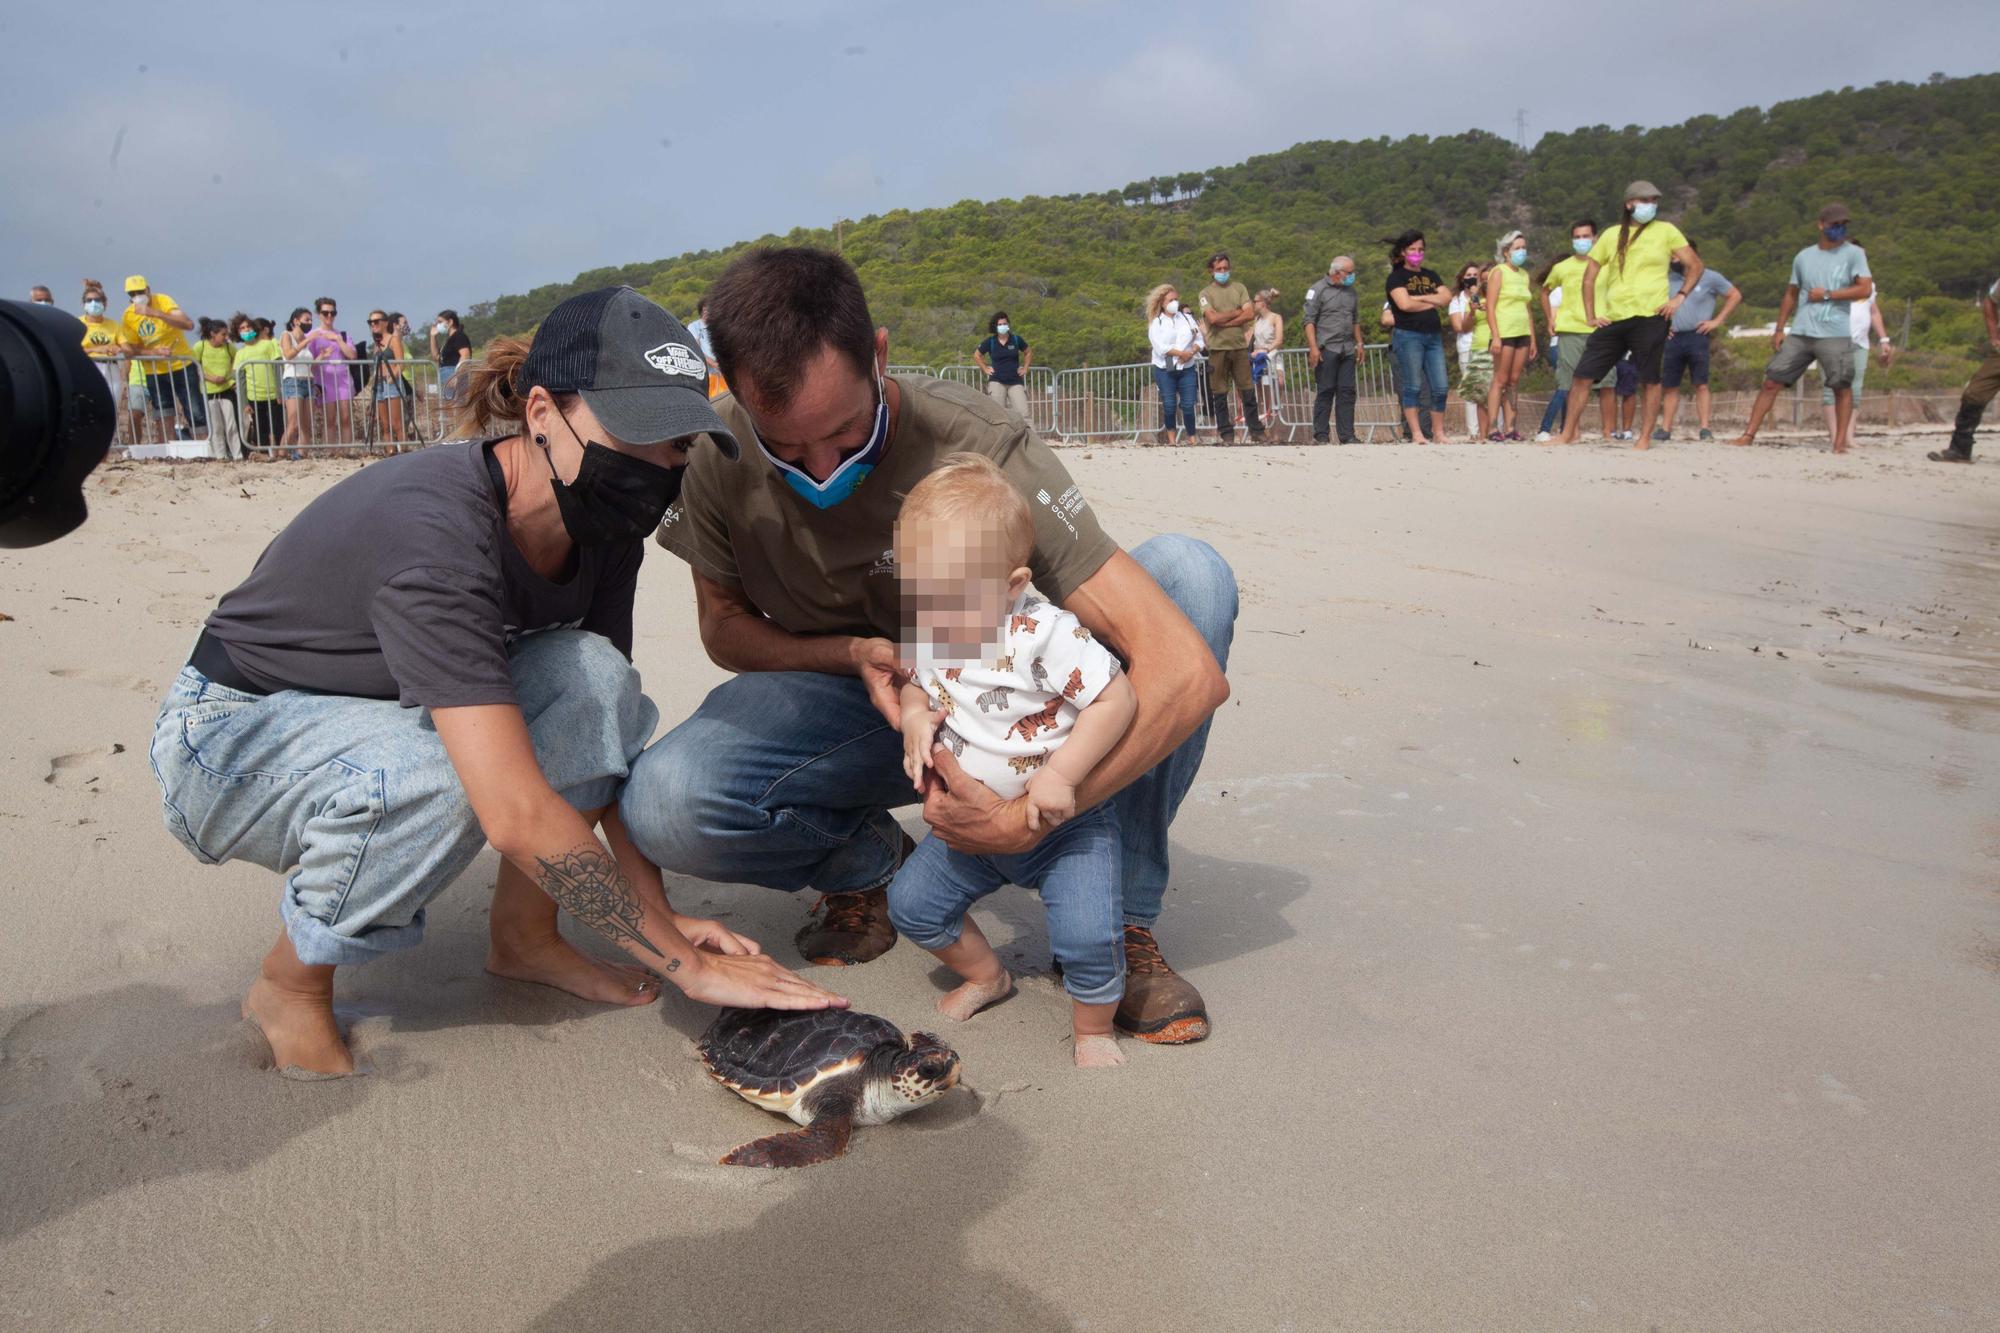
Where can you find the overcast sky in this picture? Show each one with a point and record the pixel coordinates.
(414, 157)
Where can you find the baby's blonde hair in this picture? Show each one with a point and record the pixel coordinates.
(971, 486)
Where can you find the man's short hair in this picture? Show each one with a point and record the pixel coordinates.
(1219, 255)
(774, 309)
(970, 488)
(1338, 260)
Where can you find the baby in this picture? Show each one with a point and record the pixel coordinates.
(1027, 703)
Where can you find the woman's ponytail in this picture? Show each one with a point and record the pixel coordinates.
(488, 405)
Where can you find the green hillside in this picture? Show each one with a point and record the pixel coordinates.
(1918, 164)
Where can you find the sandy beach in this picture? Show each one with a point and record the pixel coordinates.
(1594, 879)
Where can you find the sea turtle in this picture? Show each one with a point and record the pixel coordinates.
(828, 1069)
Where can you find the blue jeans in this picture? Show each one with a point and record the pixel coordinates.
(1420, 361)
(356, 799)
(167, 387)
(1178, 387)
(1552, 419)
(786, 778)
(1075, 869)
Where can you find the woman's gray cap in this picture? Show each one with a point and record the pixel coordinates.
(639, 369)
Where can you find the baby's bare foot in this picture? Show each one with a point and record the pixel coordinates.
(1098, 1052)
(556, 962)
(305, 1041)
(973, 996)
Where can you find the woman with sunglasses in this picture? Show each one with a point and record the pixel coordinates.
(386, 376)
(333, 352)
(434, 655)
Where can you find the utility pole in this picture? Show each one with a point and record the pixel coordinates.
(1521, 129)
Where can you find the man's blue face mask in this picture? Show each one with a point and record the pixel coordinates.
(853, 469)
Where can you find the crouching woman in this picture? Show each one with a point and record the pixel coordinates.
(434, 655)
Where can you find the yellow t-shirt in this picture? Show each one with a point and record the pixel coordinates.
(1640, 284)
(1511, 311)
(1567, 277)
(260, 384)
(217, 361)
(152, 334)
(100, 339)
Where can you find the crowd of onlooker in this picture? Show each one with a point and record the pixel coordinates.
(244, 382)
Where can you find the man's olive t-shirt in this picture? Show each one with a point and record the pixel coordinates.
(833, 571)
(401, 582)
(1221, 301)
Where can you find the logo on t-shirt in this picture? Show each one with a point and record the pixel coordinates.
(885, 563)
(1064, 509)
(676, 359)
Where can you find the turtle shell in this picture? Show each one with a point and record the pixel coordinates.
(771, 1056)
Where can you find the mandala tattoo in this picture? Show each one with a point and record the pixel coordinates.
(590, 887)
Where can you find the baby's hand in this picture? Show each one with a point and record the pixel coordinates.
(919, 734)
(1051, 799)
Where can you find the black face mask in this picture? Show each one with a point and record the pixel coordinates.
(615, 497)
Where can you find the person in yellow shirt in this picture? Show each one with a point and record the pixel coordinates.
(1562, 309)
(154, 331)
(1632, 317)
(100, 339)
(1510, 333)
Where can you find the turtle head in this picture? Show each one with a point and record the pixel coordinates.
(923, 1070)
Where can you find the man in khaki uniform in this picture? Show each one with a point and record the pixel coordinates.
(1979, 390)
(785, 776)
(1226, 314)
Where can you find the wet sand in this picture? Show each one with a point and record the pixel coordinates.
(1593, 880)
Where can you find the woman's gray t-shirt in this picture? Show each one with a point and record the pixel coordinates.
(401, 582)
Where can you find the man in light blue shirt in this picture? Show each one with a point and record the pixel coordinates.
(1687, 344)
(1825, 278)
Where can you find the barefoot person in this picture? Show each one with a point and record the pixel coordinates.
(397, 684)
(1019, 693)
(1826, 277)
(1416, 295)
(1632, 318)
(1510, 333)
(785, 776)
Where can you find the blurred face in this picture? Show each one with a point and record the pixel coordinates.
(957, 584)
(41, 296)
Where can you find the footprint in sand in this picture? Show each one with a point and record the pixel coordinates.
(81, 771)
(109, 679)
(181, 609)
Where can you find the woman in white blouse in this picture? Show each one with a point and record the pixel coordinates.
(1177, 341)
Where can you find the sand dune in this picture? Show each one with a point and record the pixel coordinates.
(1593, 879)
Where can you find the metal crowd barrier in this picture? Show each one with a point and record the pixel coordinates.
(1039, 381)
(183, 428)
(1376, 405)
(911, 370)
(341, 404)
(1114, 402)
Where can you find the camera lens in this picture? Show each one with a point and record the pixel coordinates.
(56, 422)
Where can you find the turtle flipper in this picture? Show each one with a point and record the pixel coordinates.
(821, 1141)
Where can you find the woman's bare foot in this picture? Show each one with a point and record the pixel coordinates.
(554, 961)
(961, 1004)
(305, 1041)
(1097, 1052)
(1742, 440)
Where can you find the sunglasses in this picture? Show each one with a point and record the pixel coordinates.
(328, 312)
(376, 319)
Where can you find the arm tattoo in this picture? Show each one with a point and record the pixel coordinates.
(594, 890)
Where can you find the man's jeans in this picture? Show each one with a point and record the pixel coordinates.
(1074, 869)
(1334, 377)
(786, 778)
(356, 798)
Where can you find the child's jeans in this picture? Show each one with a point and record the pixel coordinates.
(1076, 871)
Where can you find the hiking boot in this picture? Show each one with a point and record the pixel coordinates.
(1160, 1005)
(852, 927)
(1948, 456)
(1706, 434)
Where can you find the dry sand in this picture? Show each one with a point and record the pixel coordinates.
(1593, 880)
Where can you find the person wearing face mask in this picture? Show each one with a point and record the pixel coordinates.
(1826, 277)
(40, 295)
(786, 775)
(1004, 357)
(1416, 295)
(434, 655)
(154, 334)
(1632, 318)
(1510, 333)
(1176, 342)
(450, 349)
(1226, 316)
(1467, 313)
(1334, 350)
(100, 339)
(1562, 309)
(217, 362)
(1688, 346)
(295, 381)
(256, 356)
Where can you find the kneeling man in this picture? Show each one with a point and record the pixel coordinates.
(785, 775)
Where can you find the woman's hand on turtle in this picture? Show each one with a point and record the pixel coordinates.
(713, 936)
(749, 981)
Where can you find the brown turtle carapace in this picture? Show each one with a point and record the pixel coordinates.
(828, 1069)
